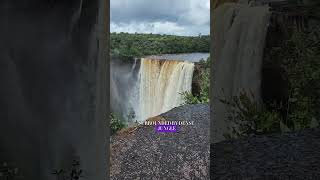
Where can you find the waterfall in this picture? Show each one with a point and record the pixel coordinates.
(239, 33)
(161, 83)
(150, 88)
(133, 67)
(123, 82)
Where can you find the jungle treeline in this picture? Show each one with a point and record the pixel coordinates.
(138, 45)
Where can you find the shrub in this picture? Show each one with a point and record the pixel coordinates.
(116, 123)
(189, 98)
(247, 117)
(300, 60)
(203, 97)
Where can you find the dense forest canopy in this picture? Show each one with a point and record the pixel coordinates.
(138, 45)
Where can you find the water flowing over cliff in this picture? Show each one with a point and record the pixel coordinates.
(239, 33)
(161, 84)
(123, 80)
(146, 87)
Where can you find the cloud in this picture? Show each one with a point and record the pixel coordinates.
(179, 17)
(153, 27)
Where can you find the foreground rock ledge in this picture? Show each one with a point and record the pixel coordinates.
(289, 156)
(141, 153)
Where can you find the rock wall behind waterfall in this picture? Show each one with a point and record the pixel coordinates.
(239, 33)
(160, 85)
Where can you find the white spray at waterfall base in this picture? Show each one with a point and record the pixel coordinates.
(160, 85)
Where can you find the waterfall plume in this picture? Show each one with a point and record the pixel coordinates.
(161, 84)
(146, 87)
(238, 44)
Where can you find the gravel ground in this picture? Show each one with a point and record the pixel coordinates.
(289, 156)
(141, 153)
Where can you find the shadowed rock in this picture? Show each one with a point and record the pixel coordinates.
(289, 156)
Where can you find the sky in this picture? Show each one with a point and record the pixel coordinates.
(174, 17)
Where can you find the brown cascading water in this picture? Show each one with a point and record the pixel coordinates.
(161, 84)
(239, 39)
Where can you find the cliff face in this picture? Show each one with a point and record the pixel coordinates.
(216, 3)
(196, 78)
(53, 86)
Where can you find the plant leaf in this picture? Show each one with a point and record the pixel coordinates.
(284, 128)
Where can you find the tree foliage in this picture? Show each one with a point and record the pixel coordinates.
(248, 117)
(299, 57)
(138, 45)
(203, 97)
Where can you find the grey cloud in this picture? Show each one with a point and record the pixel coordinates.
(183, 17)
(124, 11)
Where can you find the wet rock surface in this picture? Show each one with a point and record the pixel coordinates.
(142, 153)
(196, 78)
(289, 156)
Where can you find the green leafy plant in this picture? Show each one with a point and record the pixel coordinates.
(247, 117)
(189, 98)
(300, 60)
(116, 123)
(299, 57)
(205, 86)
(203, 97)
